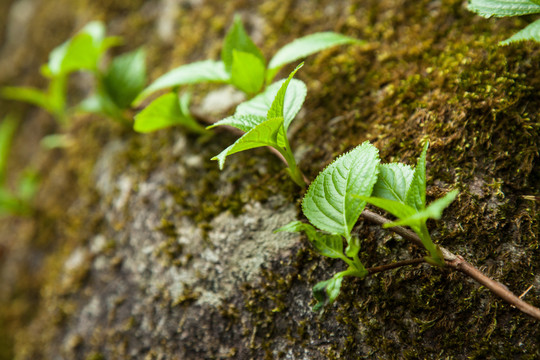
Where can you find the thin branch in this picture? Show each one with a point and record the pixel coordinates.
(458, 263)
(381, 268)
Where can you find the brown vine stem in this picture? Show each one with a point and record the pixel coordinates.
(458, 263)
(453, 261)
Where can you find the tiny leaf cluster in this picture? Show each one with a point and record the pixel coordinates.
(117, 85)
(337, 197)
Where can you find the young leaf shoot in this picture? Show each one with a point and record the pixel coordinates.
(267, 125)
(401, 191)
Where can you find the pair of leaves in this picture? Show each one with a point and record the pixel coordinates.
(266, 118)
(503, 8)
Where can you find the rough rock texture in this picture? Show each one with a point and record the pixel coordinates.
(141, 248)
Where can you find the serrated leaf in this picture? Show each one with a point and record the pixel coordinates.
(260, 104)
(530, 32)
(393, 181)
(329, 203)
(327, 291)
(416, 194)
(125, 77)
(326, 244)
(167, 110)
(278, 105)
(247, 72)
(501, 8)
(303, 47)
(268, 133)
(241, 122)
(433, 211)
(237, 39)
(194, 73)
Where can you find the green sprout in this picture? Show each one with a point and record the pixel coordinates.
(337, 197)
(265, 120)
(82, 52)
(242, 65)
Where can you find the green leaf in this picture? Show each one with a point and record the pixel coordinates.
(241, 122)
(501, 8)
(353, 247)
(326, 244)
(530, 32)
(8, 126)
(327, 291)
(433, 211)
(247, 72)
(167, 110)
(394, 207)
(125, 78)
(194, 73)
(393, 181)
(277, 109)
(416, 195)
(261, 104)
(305, 46)
(237, 39)
(269, 133)
(329, 203)
(82, 51)
(26, 94)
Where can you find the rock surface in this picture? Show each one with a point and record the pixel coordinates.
(140, 248)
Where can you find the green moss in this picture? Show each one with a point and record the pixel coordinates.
(430, 70)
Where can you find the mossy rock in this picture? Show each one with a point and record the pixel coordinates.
(141, 248)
